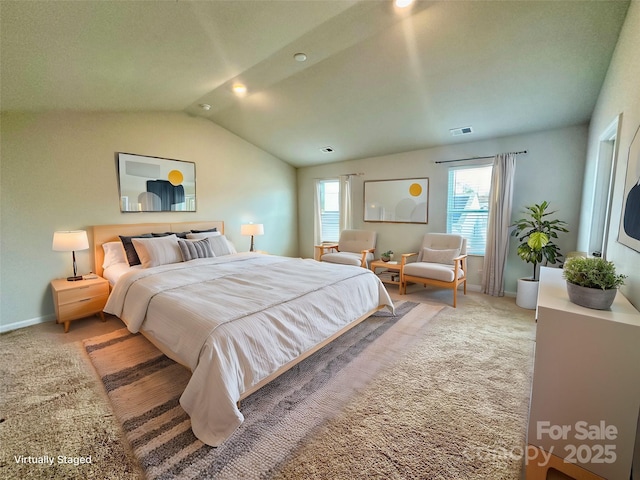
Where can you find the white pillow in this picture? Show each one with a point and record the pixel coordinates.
(220, 246)
(219, 243)
(200, 235)
(444, 256)
(232, 247)
(115, 271)
(113, 254)
(158, 250)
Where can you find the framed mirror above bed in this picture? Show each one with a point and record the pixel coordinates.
(155, 184)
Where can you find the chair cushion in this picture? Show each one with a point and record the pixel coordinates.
(435, 271)
(442, 241)
(344, 258)
(356, 240)
(444, 256)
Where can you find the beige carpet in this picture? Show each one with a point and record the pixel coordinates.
(51, 406)
(453, 407)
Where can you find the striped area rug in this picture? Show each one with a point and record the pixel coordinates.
(144, 387)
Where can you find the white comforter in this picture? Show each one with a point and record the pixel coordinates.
(235, 320)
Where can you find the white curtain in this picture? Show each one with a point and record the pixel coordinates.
(317, 215)
(346, 217)
(500, 199)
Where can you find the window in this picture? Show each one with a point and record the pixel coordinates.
(468, 205)
(329, 196)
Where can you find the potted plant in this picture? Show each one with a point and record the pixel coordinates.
(536, 232)
(592, 282)
(386, 256)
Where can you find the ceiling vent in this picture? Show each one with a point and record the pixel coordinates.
(326, 149)
(461, 131)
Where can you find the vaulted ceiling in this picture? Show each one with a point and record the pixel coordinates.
(376, 80)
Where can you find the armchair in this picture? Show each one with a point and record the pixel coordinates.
(441, 262)
(355, 247)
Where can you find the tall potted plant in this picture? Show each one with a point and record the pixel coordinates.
(536, 233)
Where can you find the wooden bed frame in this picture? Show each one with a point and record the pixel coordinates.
(110, 233)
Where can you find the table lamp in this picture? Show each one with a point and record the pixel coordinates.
(252, 229)
(70, 241)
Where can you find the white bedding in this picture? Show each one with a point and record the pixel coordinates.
(234, 320)
(115, 271)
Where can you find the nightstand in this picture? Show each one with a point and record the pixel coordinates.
(75, 300)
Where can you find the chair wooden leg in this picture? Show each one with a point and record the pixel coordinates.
(455, 296)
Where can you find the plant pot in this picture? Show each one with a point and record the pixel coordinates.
(595, 298)
(527, 295)
(385, 259)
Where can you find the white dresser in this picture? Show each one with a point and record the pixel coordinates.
(585, 397)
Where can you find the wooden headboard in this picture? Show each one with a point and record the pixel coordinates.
(110, 233)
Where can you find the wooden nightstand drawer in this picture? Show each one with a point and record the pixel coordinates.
(82, 293)
(74, 300)
(82, 308)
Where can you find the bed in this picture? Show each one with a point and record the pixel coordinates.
(236, 320)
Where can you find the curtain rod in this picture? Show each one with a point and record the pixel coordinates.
(476, 158)
(341, 175)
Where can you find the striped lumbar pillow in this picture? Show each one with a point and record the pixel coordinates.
(195, 249)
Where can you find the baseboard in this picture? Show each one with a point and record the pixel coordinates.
(26, 323)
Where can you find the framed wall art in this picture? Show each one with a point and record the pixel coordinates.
(403, 200)
(154, 184)
(629, 233)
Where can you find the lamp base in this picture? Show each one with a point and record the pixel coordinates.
(74, 279)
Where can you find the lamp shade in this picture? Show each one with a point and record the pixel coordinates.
(69, 241)
(252, 229)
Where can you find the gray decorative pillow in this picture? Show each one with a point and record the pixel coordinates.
(130, 250)
(444, 256)
(195, 249)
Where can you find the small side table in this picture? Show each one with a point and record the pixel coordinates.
(75, 300)
(390, 274)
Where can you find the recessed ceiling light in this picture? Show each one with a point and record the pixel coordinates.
(239, 89)
(300, 57)
(403, 3)
(205, 106)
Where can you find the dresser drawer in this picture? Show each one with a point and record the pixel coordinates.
(82, 293)
(81, 308)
